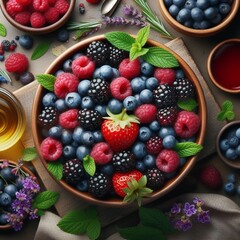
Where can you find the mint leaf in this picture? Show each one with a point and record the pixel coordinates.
(40, 212)
(46, 80)
(3, 30)
(142, 35)
(94, 229)
(227, 105)
(89, 165)
(56, 169)
(188, 105)
(160, 57)
(226, 112)
(230, 115)
(45, 200)
(40, 50)
(187, 149)
(29, 154)
(221, 116)
(135, 53)
(120, 40)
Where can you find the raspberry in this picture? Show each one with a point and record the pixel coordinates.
(24, 2)
(211, 177)
(64, 84)
(154, 145)
(121, 88)
(83, 67)
(40, 5)
(93, 1)
(62, 6)
(52, 2)
(51, 149)
(16, 63)
(187, 124)
(166, 116)
(101, 153)
(146, 113)
(13, 8)
(37, 20)
(167, 161)
(130, 69)
(23, 18)
(51, 15)
(69, 119)
(165, 75)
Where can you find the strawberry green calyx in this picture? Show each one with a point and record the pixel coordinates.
(121, 119)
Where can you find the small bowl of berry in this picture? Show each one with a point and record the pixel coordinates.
(35, 16)
(228, 144)
(199, 18)
(110, 129)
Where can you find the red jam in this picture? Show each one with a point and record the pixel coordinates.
(226, 66)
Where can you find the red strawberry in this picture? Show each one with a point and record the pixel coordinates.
(146, 113)
(130, 69)
(211, 177)
(121, 88)
(120, 180)
(120, 130)
(101, 153)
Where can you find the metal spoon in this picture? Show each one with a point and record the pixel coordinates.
(109, 6)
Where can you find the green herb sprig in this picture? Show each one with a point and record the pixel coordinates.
(3, 30)
(226, 112)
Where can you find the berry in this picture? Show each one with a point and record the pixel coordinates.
(64, 84)
(16, 63)
(233, 141)
(230, 188)
(138, 84)
(51, 15)
(62, 6)
(151, 83)
(101, 153)
(11, 190)
(130, 103)
(37, 20)
(231, 154)
(224, 8)
(87, 102)
(81, 8)
(3, 218)
(5, 44)
(66, 137)
(73, 100)
(55, 132)
(90, 119)
(24, 2)
(144, 134)
(232, 177)
(83, 87)
(147, 69)
(52, 2)
(149, 161)
(123, 161)
(5, 199)
(93, 1)
(26, 77)
(106, 72)
(166, 116)
(165, 75)
(211, 177)
(120, 88)
(139, 150)
(115, 106)
(13, 7)
(26, 41)
(82, 152)
(167, 161)
(7, 174)
(130, 69)
(169, 142)
(83, 67)
(164, 131)
(40, 5)
(187, 124)
(51, 149)
(69, 119)
(184, 89)
(87, 138)
(23, 18)
(60, 105)
(82, 186)
(73, 171)
(155, 178)
(154, 145)
(48, 117)
(62, 35)
(116, 56)
(146, 113)
(146, 96)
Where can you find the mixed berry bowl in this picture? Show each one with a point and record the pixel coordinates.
(109, 121)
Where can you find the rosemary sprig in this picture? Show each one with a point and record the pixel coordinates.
(6, 77)
(153, 19)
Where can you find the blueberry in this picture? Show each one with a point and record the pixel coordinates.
(231, 154)
(106, 72)
(5, 199)
(196, 25)
(62, 35)
(139, 150)
(87, 102)
(58, 72)
(190, 4)
(149, 161)
(107, 169)
(115, 106)
(3, 218)
(151, 83)
(82, 151)
(98, 137)
(2, 58)
(237, 150)
(182, 161)
(169, 142)
(55, 132)
(238, 133)
(203, 4)
(101, 109)
(130, 103)
(77, 55)
(60, 105)
(232, 177)
(179, 73)
(19, 183)
(224, 145)
(26, 41)
(140, 166)
(73, 100)
(87, 138)
(144, 134)
(146, 96)
(168, 2)
(204, 24)
(67, 65)
(96, 73)
(7, 174)
(214, 2)
(197, 14)
(69, 152)
(138, 84)
(49, 99)
(11, 190)
(26, 77)
(82, 186)
(137, 97)
(216, 20)
(210, 12)
(115, 73)
(154, 126)
(179, 3)
(66, 137)
(164, 131)
(224, 8)
(147, 69)
(233, 141)
(77, 134)
(230, 188)
(188, 23)
(173, 10)
(2, 184)
(184, 14)
(83, 87)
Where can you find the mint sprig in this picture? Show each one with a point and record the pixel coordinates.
(188, 105)
(46, 80)
(56, 169)
(226, 112)
(3, 30)
(89, 165)
(40, 50)
(187, 149)
(29, 154)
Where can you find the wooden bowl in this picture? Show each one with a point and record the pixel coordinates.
(199, 32)
(228, 86)
(43, 30)
(117, 202)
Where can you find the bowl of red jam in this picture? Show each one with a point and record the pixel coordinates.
(224, 65)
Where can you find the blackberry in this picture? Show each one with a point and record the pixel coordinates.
(48, 117)
(155, 178)
(98, 51)
(73, 171)
(166, 116)
(116, 55)
(123, 161)
(164, 96)
(90, 119)
(184, 89)
(154, 145)
(6, 45)
(99, 90)
(99, 185)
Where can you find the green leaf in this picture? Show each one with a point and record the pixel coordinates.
(187, 149)
(29, 154)
(56, 169)
(226, 112)
(40, 50)
(46, 80)
(94, 229)
(134, 53)
(3, 30)
(45, 200)
(160, 57)
(221, 116)
(230, 115)
(188, 105)
(120, 40)
(227, 105)
(141, 233)
(142, 35)
(89, 165)
(40, 212)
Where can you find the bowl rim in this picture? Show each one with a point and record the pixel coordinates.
(199, 32)
(46, 29)
(209, 64)
(229, 125)
(171, 183)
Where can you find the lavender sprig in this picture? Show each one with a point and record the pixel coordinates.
(129, 10)
(123, 21)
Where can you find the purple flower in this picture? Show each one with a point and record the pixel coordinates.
(189, 209)
(203, 217)
(176, 208)
(183, 224)
(21, 195)
(4, 164)
(133, 12)
(30, 184)
(199, 202)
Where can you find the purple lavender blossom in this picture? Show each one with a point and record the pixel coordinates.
(123, 21)
(203, 217)
(199, 202)
(183, 224)
(189, 209)
(21, 195)
(133, 12)
(176, 208)
(30, 184)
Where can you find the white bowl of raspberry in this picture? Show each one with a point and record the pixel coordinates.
(104, 132)
(37, 17)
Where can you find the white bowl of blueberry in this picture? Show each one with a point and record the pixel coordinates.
(199, 18)
(110, 126)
